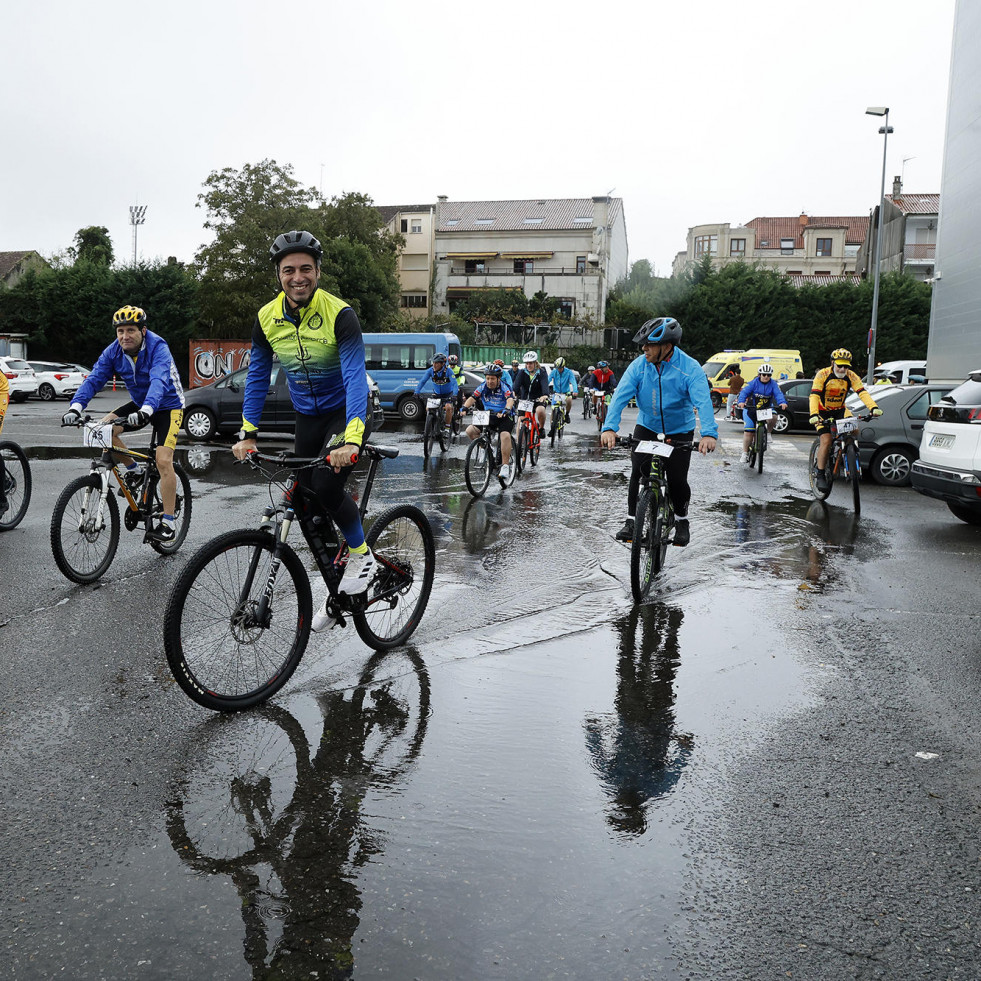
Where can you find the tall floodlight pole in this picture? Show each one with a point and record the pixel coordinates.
(137, 215)
(885, 129)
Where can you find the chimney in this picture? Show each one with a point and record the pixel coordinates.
(441, 198)
(802, 220)
(897, 187)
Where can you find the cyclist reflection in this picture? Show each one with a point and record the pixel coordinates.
(636, 751)
(284, 820)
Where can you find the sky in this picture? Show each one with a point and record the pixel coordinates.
(691, 112)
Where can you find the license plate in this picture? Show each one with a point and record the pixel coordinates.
(847, 426)
(764, 415)
(654, 447)
(95, 435)
(432, 403)
(942, 441)
(481, 418)
(525, 406)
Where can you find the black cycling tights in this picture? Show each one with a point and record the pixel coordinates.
(313, 435)
(676, 467)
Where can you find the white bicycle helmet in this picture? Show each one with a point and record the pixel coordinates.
(765, 369)
(530, 356)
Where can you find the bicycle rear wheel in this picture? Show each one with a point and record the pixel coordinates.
(642, 547)
(17, 484)
(854, 475)
(182, 512)
(821, 495)
(219, 652)
(405, 550)
(84, 537)
(477, 466)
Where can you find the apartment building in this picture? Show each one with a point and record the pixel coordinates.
(909, 234)
(805, 247)
(572, 249)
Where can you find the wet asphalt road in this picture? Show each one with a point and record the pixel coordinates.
(551, 782)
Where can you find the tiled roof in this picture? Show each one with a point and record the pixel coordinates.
(555, 213)
(799, 281)
(389, 211)
(8, 260)
(773, 229)
(917, 204)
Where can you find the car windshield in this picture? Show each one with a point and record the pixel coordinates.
(15, 364)
(968, 392)
(712, 368)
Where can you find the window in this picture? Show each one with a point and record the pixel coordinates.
(822, 272)
(452, 221)
(851, 251)
(413, 300)
(566, 307)
(824, 246)
(534, 221)
(580, 263)
(475, 266)
(525, 266)
(706, 245)
(381, 356)
(737, 246)
(786, 246)
(484, 221)
(405, 224)
(583, 220)
(416, 226)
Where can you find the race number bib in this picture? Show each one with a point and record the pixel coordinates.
(432, 403)
(849, 425)
(94, 434)
(481, 417)
(654, 447)
(764, 415)
(525, 406)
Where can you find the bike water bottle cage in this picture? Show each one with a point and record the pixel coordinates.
(663, 330)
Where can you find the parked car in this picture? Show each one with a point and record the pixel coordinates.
(889, 445)
(57, 379)
(797, 391)
(20, 378)
(900, 372)
(949, 467)
(217, 408)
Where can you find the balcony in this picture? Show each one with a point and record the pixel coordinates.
(920, 252)
(539, 271)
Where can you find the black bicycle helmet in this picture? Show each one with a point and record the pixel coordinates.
(290, 242)
(663, 330)
(494, 369)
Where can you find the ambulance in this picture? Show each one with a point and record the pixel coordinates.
(719, 368)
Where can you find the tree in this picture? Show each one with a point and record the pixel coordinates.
(92, 245)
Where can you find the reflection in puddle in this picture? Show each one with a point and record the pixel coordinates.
(283, 816)
(635, 750)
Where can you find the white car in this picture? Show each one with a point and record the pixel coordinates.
(20, 378)
(949, 467)
(56, 379)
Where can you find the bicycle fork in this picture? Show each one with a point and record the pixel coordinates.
(93, 514)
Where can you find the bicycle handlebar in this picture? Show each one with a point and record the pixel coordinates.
(630, 441)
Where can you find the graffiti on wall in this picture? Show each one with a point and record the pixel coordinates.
(211, 360)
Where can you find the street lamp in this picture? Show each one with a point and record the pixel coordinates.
(137, 215)
(885, 129)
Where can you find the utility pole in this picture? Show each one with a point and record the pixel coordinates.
(137, 215)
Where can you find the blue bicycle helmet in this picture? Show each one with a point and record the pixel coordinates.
(602, 364)
(663, 330)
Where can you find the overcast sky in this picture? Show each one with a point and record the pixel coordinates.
(690, 111)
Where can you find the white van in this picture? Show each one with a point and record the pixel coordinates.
(898, 372)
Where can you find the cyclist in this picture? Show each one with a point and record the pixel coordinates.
(317, 338)
(603, 383)
(508, 377)
(669, 387)
(144, 362)
(460, 377)
(563, 382)
(831, 386)
(4, 402)
(762, 386)
(532, 384)
(444, 384)
(498, 399)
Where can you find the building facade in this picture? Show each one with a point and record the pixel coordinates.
(572, 249)
(804, 247)
(909, 234)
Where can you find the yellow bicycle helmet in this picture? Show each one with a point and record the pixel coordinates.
(129, 315)
(841, 355)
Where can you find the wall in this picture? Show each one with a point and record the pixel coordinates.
(210, 360)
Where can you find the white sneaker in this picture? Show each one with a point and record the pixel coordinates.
(322, 620)
(357, 573)
(744, 458)
(505, 473)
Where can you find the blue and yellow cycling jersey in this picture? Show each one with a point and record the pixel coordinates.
(321, 351)
(494, 401)
(444, 383)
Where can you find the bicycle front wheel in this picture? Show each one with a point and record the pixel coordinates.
(428, 436)
(535, 446)
(477, 467)
(182, 512)
(405, 551)
(16, 484)
(521, 457)
(642, 548)
(224, 652)
(761, 442)
(821, 495)
(854, 475)
(84, 529)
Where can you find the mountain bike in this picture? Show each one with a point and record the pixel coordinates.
(529, 435)
(760, 437)
(557, 425)
(587, 402)
(484, 457)
(238, 617)
(16, 484)
(842, 459)
(436, 428)
(601, 408)
(85, 520)
(654, 517)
